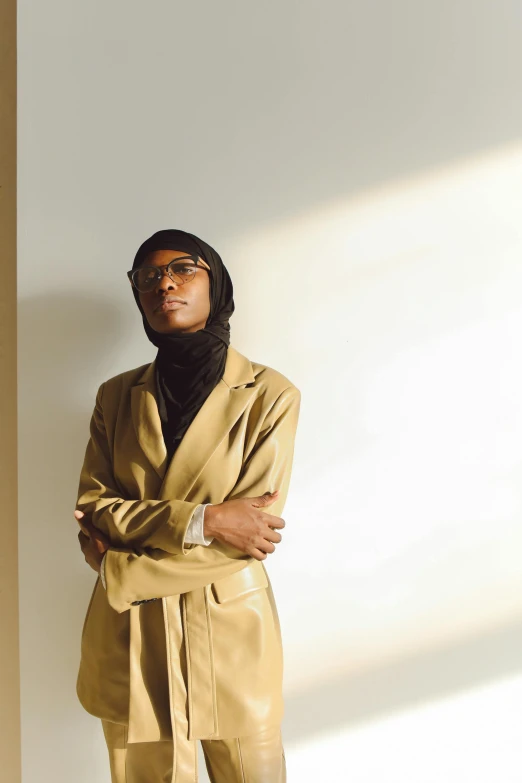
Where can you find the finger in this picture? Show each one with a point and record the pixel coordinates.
(100, 539)
(265, 500)
(93, 532)
(83, 522)
(78, 514)
(86, 522)
(258, 554)
(99, 535)
(272, 521)
(273, 535)
(266, 546)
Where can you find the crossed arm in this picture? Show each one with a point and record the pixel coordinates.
(195, 535)
(147, 557)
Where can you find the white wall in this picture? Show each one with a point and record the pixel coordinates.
(359, 168)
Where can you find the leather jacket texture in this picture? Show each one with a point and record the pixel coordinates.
(216, 623)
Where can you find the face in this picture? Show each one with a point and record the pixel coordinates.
(171, 307)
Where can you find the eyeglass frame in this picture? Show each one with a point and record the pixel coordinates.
(162, 269)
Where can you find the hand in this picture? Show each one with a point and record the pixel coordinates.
(92, 541)
(238, 523)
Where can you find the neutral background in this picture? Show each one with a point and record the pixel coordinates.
(358, 166)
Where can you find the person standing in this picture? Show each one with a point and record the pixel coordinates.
(181, 491)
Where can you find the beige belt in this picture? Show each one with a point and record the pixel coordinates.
(189, 661)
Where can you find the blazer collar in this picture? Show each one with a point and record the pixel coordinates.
(216, 417)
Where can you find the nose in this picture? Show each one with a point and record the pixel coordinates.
(165, 282)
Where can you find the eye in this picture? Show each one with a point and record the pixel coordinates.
(183, 270)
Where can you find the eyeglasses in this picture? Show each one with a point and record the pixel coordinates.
(181, 270)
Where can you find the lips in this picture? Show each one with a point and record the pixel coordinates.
(165, 306)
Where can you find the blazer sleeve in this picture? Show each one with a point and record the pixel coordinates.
(134, 577)
(130, 524)
(195, 535)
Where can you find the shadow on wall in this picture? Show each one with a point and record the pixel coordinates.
(68, 342)
(403, 683)
(280, 108)
(332, 102)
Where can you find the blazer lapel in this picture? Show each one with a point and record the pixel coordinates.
(216, 417)
(147, 422)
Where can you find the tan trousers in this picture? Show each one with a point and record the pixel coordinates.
(258, 758)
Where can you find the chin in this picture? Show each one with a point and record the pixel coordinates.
(170, 327)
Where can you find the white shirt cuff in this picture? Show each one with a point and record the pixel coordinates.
(195, 530)
(102, 571)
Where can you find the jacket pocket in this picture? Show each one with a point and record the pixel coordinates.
(251, 578)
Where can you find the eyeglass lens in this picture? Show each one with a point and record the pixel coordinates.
(179, 271)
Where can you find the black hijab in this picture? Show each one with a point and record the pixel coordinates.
(188, 365)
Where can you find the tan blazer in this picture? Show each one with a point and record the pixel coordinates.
(216, 624)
